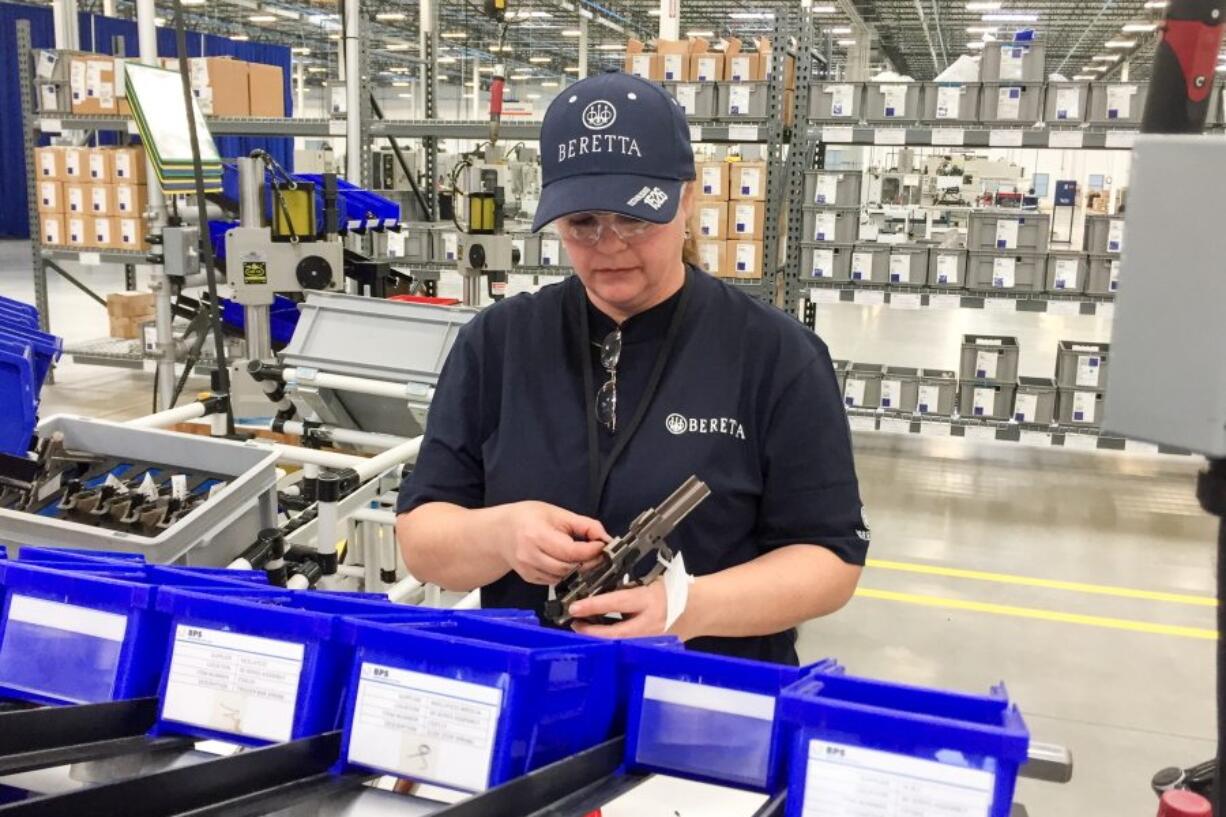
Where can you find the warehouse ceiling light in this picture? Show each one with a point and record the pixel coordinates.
(1012, 17)
(975, 45)
(540, 60)
(262, 18)
(300, 51)
(840, 30)
(824, 9)
(983, 6)
(700, 33)
(400, 83)
(280, 12)
(571, 69)
(454, 35)
(446, 60)
(532, 96)
(570, 32)
(485, 70)
(611, 47)
(1106, 58)
(982, 29)
(317, 69)
(239, 38)
(390, 16)
(846, 43)
(751, 15)
(1140, 28)
(195, 2)
(398, 46)
(1155, 4)
(1084, 77)
(1120, 43)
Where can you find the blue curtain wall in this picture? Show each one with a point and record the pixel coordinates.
(100, 35)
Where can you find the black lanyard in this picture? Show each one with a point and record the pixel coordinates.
(598, 474)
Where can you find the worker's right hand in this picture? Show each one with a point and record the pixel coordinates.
(544, 543)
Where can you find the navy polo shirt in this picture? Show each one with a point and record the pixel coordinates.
(748, 401)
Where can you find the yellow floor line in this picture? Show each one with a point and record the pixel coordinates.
(1042, 615)
(1050, 584)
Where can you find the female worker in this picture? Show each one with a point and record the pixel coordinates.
(560, 416)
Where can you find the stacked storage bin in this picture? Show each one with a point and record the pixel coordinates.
(1067, 272)
(988, 376)
(863, 386)
(887, 103)
(1066, 103)
(743, 101)
(1007, 250)
(825, 189)
(1104, 242)
(1081, 376)
(699, 100)
(1036, 401)
(950, 104)
(908, 265)
(919, 751)
(1117, 103)
(870, 264)
(937, 393)
(1012, 74)
(837, 102)
(947, 268)
(900, 389)
(26, 356)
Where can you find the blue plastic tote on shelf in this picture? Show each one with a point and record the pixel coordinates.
(468, 703)
(46, 348)
(18, 397)
(924, 751)
(87, 634)
(27, 312)
(251, 672)
(707, 717)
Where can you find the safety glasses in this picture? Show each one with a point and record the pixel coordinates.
(606, 398)
(588, 228)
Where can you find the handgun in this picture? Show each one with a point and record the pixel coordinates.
(623, 555)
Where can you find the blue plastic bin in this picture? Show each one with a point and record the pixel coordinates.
(282, 317)
(708, 717)
(49, 554)
(46, 348)
(85, 634)
(468, 703)
(21, 307)
(9, 314)
(18, 397)
(925, 751)
(253, 671)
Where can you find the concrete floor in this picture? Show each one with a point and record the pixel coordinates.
(1124, 679)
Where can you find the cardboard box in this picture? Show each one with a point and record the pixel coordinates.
(92, 84)
(707, 68)
(51, 229)
(748, 181)
(77, 233)
(51, 197)
(747, 220)
(745, 259)
(764, 55)
(740, 66)
(220, 86)
(641, 64)
(104, 233)
(100, 167)
(712, 221)
(713, 257)
(102, 200)
(674, 59)
(266, 90)
(129, 165)
(712, 179)
(130, 304)
(49, 164)
(131, 200)
(76, 199)
(76, 164)
(132, 234)
(789, 107)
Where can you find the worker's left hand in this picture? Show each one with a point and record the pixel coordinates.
(644, 611)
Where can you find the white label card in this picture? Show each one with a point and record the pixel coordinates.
(947, 269)
(425, 727)
(1004, 273)
(896, 425)
(870, 298)
(825, 296)
(1068, 103)
(743, 133)
(891, 394)
(935, 429)
(1026, 408)
(70, 618)
(943, 301)
(745, 219)
(863, 423)
(1083, 442)
(1120, 139)
(900, 269)
(985, 365)
(1012, 138)
(233, 683)
(826, 189)
(894, 98)
(1089, 370)
(948, 136)
(824, 226)
(1012, 62)
(1119, 101)
(984, 403)
(451, 246)
(839, 135)
(712, 179)
(890, 136)
(1064, 307)
(751, 182)
(90, 259)
(1008, 107)
(687, 95)
(1114, 284)
(980, 433)
(746, 258)
(709, 254)
(1084, 405)
(999, 305)
(1006, 233)
(1066, 276)
(695, 133)
(1115, 235)
(850, 781)
(738, 100)
(709, 221)
(862, 266)
(929, 399)
(906, 300)
(550, 255)
(949, 103)
(1070, 139)
(1140, 447)
(842, 98)
(823, 263)
(853, 392)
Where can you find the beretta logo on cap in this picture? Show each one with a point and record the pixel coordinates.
(599, 115)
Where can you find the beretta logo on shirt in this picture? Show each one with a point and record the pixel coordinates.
(678, 424)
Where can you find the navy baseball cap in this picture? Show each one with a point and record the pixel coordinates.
(617, 144)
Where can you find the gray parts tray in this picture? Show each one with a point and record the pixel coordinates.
(213, 534)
